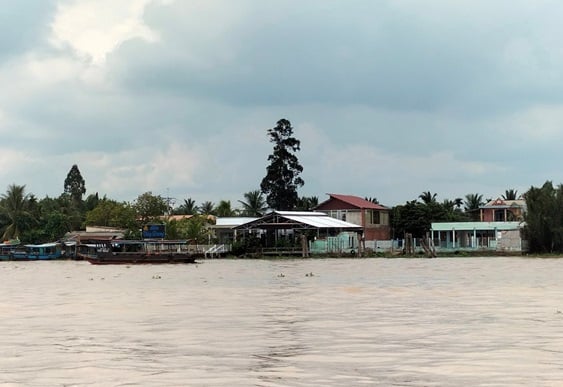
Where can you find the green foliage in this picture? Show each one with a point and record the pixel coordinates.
(427, 197)
(510, 194)
(91, 202)
(188, 207)
(307, 203)
(56, 225)
(254, 204)
(74, 184)
(473, 201)
(416, 218)
(109, 213)
(150, 207)
(207, 208)
(282, 175)
(224, 209)
(15, 206)
(195, 229)
(544, 219)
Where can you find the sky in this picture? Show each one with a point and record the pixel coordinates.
(389, 98)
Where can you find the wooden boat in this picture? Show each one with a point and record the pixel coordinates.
(114, 252)
(41, 252)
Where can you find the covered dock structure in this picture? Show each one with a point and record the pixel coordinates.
(302, 233)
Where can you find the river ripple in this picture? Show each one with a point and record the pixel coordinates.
(317, 322)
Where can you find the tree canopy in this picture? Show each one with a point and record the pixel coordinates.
(75, 185)
(282, 178)
(544, 218)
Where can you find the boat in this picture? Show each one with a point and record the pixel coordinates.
(40, 252)
(7, 248)
(113, 252)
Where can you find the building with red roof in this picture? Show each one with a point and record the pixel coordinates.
(373, 217)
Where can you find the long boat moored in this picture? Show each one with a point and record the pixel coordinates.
(135, 252)
(41, 252)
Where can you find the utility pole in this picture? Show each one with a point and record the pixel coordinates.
(169, 202)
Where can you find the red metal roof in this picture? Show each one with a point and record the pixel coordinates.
(357, 201)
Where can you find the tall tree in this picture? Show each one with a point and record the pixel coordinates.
(14, 204)
(282, 175)
(254, 204)
(74, 184)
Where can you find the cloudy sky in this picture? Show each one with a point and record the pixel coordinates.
(389, 98)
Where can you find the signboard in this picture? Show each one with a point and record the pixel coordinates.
(154, 231)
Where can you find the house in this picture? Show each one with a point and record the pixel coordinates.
(492, 236)
(497, 226)
(372, 217)
(500, 210)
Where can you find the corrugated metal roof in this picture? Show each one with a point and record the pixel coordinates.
(311, 219)
(233, 221)
(322, 221)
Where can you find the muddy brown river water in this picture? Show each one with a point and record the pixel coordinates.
(316, 322)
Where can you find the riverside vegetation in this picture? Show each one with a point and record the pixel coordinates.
(31, 220)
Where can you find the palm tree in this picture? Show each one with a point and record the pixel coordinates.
(510, 194)
(207, 208)
(186, 208)
(473, 201)
(427, 197)
(224, 209)
(14, 204)
(307, 203)
(254, 204)
(448, 204)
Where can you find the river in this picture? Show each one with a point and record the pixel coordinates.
(302, 322)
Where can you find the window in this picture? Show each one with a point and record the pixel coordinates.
(375, 217)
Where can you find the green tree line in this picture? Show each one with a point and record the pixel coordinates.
(33, 220)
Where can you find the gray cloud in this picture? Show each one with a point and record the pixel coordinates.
(390, 98)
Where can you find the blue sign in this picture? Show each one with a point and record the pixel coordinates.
(154, 231)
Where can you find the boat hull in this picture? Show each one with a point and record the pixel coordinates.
(117, 259)
(122, 252)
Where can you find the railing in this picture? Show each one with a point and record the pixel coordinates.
(216, 250)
